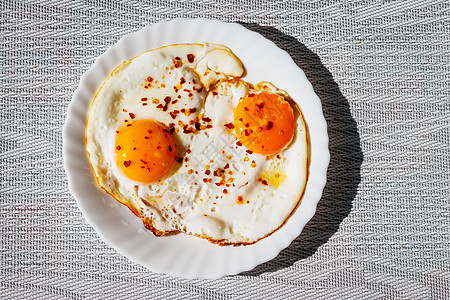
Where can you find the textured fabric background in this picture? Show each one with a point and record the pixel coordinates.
(382, 229)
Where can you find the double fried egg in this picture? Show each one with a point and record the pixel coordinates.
(176, 135)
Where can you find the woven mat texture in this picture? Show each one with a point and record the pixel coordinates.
(382, 229)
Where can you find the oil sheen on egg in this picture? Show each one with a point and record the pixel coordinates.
(168, 135)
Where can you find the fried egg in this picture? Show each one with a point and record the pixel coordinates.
(176, 135)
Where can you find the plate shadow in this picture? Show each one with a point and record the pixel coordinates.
(344, 171)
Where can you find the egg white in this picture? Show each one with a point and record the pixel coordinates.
(183, 200)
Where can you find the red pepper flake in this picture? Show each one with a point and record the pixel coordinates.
(214, 93)
(177, 62)
(246, 108)
(182, 80)
(190, 95)
(188, 151)
(144, 104)
(197, 125)
(207, 172)
(199, 90)
(207, 119)
(264, 182)
(170, 148)
(239, 143)
(190, 58)
(205, 179)
(158, 147)
(208, 126)
(127, 163)
(174, 113)
(251, 95)
(146, 137)
(193, 81)
(144, 99)
(118, 147)
(261, 105)
(249, 151)
(132, 116)
(149, 79)
(269, 125)
(128, 125)
(174, 101)
(179, 159)
(124, 110)
(226, 166)
(225, 191)
(117, 131)
(160, 106)
(192, 110)
(247, 132)
(229, 125)
(163, 85)
(240, 200)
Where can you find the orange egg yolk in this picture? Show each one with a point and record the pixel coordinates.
(145, 150)
(264, 123)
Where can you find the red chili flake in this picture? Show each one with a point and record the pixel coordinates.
(251, 95)
(200, 89)
(190, 95)
(173, 114)
(176, 62)
(197, 125)
(174, 101)
(124, 110)
(117, 131)
(118, 147)
(278, 156)
(246, 108)
(249, 151)
(183, 110)
(128, 125)
(134, 148)
(158, 147)
(207, 119)
(192, 110)
(160, 106)
(125, 121)
(207, 172)
(193, 81)
(264, 182)
(261, 105)
(167, 99)
(229, 125)
(208, 126)
(175, 89)
(182, 80)
(190, 58)
(172, 130)
(226, 166)
(188, 151)
(127, 163)
(247, 132)
(166, 131)
(132, 116)
(149, 79)
(225, 191)
(146, 137)
(144, 99)
(247, 125)
(240, 119)
(239, 143)
(144, 104)
(170, 148)
(186, 90)
(180, 159)
(144, 162)
(269, 125)
(214, 93)
(205, 179)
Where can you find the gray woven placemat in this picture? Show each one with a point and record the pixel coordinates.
(382, 229)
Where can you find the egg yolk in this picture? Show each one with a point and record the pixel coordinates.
(145, 150)
(264, 123)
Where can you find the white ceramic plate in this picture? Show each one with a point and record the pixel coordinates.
(182, 255)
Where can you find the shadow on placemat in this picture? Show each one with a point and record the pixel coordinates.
(346, 156)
